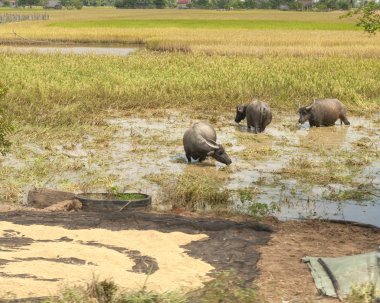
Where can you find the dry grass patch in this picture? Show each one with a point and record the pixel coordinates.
(321, 172)
(196, 190)
(257, 147)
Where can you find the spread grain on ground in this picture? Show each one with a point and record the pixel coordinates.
(30, 268)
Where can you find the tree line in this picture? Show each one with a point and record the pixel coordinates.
(321, 5)
(368, 11)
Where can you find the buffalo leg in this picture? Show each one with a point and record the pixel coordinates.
(344, 119)
(188, 157)
(262, 128)
(257, 128)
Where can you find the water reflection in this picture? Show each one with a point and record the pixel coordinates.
(325, 137)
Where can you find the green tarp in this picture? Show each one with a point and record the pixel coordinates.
(347, 271)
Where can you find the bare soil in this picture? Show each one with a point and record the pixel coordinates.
(285, 278)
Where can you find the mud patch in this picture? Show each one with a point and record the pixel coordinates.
(180, 253)
(328, 173)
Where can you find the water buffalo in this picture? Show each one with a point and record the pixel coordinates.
(323, 112)
(200, 141)
(258, 114)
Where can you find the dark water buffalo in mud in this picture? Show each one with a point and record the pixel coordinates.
(258, 115)
(323, 112)
(200, 141)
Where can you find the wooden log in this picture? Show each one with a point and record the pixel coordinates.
(43, 197)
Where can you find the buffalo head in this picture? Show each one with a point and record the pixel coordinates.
(240, 113)
(217, 152)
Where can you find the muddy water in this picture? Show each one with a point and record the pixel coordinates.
(78, 50)
(298, 199)
(145, 147)
(142, 151)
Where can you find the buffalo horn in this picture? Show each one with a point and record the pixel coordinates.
(212, 143)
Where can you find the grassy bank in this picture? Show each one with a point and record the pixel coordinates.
(62, 90)
(226, 287)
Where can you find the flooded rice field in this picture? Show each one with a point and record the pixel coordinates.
(67, 49)
(288, 171)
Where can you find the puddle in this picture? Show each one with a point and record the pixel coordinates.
(298, 199)
(77, 50)
(327, 173)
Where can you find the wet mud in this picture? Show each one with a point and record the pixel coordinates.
(346, 161)
(300, 172)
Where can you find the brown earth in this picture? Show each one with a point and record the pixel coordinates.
(285, 278)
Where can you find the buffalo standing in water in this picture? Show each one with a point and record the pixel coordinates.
(258, 115)
(200, 141)
(323, 112)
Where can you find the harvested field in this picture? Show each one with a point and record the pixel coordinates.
(101, 119)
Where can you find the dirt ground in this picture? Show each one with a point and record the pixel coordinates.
(285, 278)
(268, 254)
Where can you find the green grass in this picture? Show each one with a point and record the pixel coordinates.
(107, 291)
(226, 288)
(366, 293)
(351, 194)
(208, 24)
(59, 90)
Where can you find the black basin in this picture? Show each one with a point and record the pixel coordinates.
(113, 202)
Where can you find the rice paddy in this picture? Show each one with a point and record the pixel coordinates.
(88, 123)
(254, 33)
(207, 24)
(62, 90)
